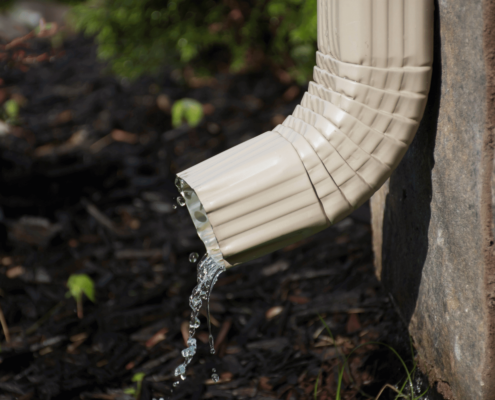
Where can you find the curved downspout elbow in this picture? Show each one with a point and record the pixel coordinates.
(339, 146)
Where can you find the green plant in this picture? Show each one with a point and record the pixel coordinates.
(138, 36)
(187, 110)
(138, 378)
(79, 284)
(400, 392)
(315, 392)
(11, 111)
(6, 4)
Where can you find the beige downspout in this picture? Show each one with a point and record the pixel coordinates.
(340, 145)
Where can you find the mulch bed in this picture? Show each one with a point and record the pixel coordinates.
(86, 186)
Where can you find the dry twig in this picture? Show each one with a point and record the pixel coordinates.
(5, 327)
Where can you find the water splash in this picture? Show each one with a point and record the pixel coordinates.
(208, 272)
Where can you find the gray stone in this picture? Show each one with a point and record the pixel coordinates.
(25, 16)
(432, 222)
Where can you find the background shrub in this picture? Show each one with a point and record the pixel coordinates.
(6, 4)
(139, 36)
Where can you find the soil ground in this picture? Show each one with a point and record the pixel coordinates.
(87, 186)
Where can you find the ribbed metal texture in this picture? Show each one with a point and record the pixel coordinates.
(342, 142)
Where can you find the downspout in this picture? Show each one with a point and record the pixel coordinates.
(351, 130)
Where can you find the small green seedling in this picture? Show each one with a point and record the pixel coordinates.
(188, 110)
(78, 285)
(11, 110)
(138, 378)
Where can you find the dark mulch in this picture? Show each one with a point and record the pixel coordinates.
(78, 195)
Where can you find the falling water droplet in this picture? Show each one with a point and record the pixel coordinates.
(193, 257)
(214, 375)
(212, 343)
(176, 383)
(180, 370)
(180, 201)
(174, 206)
(189, 352)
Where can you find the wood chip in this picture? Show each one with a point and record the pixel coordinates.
(202, 336)
(264, 384)
(79, 337)
(100, 144)
(134, 254)
(101, 363)
(291, 93)
(71, 348)
(353, 324)
(104, 220)
(299, 299)
(275, 268)
(184, 329)
(63, 118)
(157, 337)
(226, 376)
(6, 261)
(208, 109)
(224, 330)
(163, 103)
(122, 136)
(273, 312)
(278, 119)
(14, 272)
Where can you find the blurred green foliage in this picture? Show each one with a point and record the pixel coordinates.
(139, 36)
(11, 110)
(5, 4)
(188, 110)
(71, 2)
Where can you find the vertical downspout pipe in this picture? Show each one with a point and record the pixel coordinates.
(351, 130)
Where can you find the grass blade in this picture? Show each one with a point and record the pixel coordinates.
(316, 386)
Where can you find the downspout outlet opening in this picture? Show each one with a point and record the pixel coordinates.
(200, 221)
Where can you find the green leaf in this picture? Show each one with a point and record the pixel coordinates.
(79, 284)
(131, 391)
(276, 8)
(189, 110)
(11, 109)
(138, 377)
(48, 26)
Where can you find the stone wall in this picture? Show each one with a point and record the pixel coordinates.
(432, 222)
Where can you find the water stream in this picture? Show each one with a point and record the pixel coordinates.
(208, 272)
